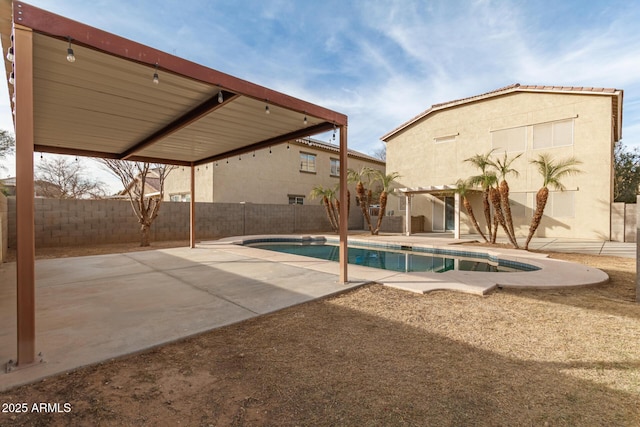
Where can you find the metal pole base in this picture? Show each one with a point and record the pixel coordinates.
(15, 366)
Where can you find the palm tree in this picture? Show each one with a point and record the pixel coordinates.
(485, 180)
(357, 176)
(463, 188)
(552, 173)
(327, 197)
(386, 181)
(498, 215)
(504, 168)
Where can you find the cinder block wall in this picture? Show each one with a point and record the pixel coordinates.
(4, 227)
(85, 222)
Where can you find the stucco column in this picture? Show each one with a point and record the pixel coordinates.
(407, 214)
(344, 217)
(192, 209)
(456, 221)
(26, 313)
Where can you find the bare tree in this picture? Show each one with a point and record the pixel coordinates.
(380, 153)
(7, 145)
(63, 178)
(144, 185)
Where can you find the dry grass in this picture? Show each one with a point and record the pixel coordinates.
(382, 357)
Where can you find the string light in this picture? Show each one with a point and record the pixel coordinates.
(254, 154)
(220, 97)
(305, 119)
(10, 56)
(156, 78)
(266, 109)
(12, 78)
(269, 150)
(70, 56)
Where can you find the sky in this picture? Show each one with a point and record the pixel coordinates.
(383, 62)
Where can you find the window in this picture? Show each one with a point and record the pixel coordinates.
(296, 200)
(307, 162)
(510, 140)
(554, 134)
(183, 197)
(443, 139)
(561, 204)
(335, 167)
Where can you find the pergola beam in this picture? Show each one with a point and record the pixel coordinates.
(185, 120)
(311, 130)
(103, 155)
(25, 250)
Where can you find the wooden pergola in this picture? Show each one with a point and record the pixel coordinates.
(118, 99)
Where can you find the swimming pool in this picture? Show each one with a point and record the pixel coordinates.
(392, 259)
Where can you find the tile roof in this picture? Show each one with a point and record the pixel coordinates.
(314, 143)
(517, 87)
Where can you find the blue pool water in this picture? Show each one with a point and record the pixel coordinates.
(402, 261)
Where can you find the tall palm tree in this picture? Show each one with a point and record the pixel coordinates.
(359, 176)
(498, 215)
(327, 197)
(503, 166)
(463, 188)
(552, 173)
(385, 181)
(486, 179)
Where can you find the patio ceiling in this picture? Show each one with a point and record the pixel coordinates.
(105, 104)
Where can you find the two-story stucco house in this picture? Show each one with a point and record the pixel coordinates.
(281, 174)
(429, 151)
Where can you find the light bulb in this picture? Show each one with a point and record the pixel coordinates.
(10, 54)
(70, 56)
(12, 78)
(220, 98)
(305, 120)
(266, 109)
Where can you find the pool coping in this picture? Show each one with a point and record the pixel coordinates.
(552, 274)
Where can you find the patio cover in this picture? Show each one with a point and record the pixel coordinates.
(105, 104)
(431, 189)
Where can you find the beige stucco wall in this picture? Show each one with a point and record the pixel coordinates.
(421, 161)
(265, 178)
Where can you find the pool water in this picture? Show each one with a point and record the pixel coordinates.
(401, 261)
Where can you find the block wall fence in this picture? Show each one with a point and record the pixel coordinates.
(86, 222)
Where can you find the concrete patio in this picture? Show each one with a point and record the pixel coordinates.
(91, 309)
(95, 308)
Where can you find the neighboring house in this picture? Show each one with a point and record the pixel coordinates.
(151, 186)
(429, 152)
(281, 174)
(42, 189)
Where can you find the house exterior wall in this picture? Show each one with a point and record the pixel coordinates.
(266, 178)
(423, 161)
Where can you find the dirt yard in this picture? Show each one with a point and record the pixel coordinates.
(380, 357)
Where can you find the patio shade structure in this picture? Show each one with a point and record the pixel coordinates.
(431, 189)
(118, 99)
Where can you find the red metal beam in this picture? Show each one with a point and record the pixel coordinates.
(301, 133)
(192, 209)
(344, 203)
(181, 122)
(102, 155)
(25, 228)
